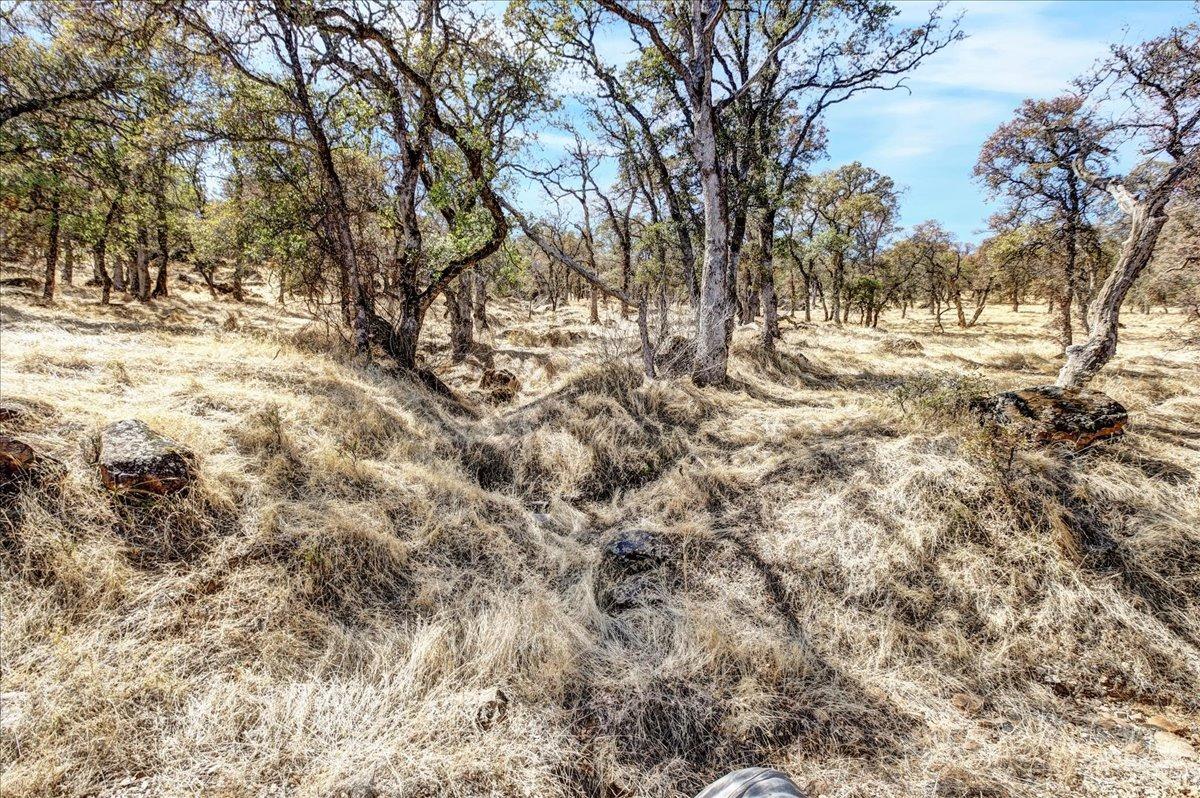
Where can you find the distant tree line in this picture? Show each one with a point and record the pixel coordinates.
(366, 159)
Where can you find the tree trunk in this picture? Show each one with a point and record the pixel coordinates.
(770, 302)
(594, 306)
(68, 268)
(479, 307)
(792, 292)
(810, 298)
(118, 274)
(839, 269)
(160, 233)
(143, 266)
(401, 341)
(1147, 218)
(52, 249)
(458, 306)
(1064, 317)
(742, 294)
(662, 309)
(363, 316)
(644, 334)
(99, 253)
(715, 315)
(754, 300)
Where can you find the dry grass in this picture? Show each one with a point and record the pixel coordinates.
(861, 589)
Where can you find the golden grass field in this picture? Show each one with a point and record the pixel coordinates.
(863, 589)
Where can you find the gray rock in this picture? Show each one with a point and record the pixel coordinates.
(753, 783)
(134, 458)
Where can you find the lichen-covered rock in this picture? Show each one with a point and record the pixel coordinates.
(630, 568)
(501, 384)
(133, 457)
(1048, 414)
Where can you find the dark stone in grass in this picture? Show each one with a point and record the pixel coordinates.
(1048, 414)
(502, 385)
(629, 569)
(20, 464)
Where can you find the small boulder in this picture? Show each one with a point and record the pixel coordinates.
(21, 463)
(134, 458)
(629, 569)
(1167, 724)
(11, 412)
(502, 385)
(1049, 414)
(901, 346)
(753, 783)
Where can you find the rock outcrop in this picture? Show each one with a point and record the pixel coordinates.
(134, 458)
(1048, 414)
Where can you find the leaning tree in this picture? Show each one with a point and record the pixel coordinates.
(1157, 84)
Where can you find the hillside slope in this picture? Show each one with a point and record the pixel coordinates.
(370, 592)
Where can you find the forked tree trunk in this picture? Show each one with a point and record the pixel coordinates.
(1146, 218)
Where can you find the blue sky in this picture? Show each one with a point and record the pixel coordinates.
(928, 138)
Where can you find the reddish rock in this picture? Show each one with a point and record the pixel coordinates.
(1049, 414)
(18, 460)
(133, 457)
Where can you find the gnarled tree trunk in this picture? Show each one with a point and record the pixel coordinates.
(1147, 217)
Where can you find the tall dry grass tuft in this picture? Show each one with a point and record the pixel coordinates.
(368, 591)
